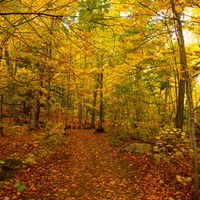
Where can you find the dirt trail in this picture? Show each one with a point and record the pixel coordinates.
(94, 171)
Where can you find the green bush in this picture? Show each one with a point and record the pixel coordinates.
(172, 142)
(113, 141)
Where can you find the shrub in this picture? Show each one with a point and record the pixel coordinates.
(172, 142)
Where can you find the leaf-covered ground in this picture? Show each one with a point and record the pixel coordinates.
(82, 165)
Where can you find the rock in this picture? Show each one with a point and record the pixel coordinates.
(6, 174)
(13, 164)
(99, 130)
(67, 127)
(137, 148)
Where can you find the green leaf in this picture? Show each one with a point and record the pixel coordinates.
(7, 183)
(22, 187)
(16, 185)
(50, 5)
(2, 162)
(188, 179)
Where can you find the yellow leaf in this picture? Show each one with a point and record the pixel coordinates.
(179, 178)
(161, 182)
(188, 179)
(183, 133)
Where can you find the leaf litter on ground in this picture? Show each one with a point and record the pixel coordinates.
(82, 165)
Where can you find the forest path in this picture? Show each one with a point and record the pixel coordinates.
(95, 172)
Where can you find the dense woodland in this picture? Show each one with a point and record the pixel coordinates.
(127, 71)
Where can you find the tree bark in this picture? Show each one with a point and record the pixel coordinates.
(1, 116)
(180, 105)
(67, 103)
(49, 81)
(48, 88)
(81, 113)
(61, 95)
(54, 101)
(101, 102)
(93, 108)
(165, 105)
(72, 108)
(100, 127)
(34, 117)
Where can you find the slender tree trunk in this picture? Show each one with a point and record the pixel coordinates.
(72, 108)
(48, 89)
(101, 102)
(86, 112)
(54, 101)
(180, 98)
(100, 127)
(61, 95)
(68, 98)
(9, 70)
(93, 108)
(34, 117)
(173, 107)
(183, 61)
(49, 82)
(1, 116)
(181, 92)
(81, 113)
(67, 110)
(15, 115)
(180, 105)
(6, 52)
(23, 111)
(165, 108)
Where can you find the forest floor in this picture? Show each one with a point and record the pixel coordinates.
(82, 165)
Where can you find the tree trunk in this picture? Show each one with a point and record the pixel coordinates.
(48, 88)
(34, 117)
(9, 71)
(15, 115)
(86, 112)
(49, 82)
(165, 104)
(101, 102)
(93, 108)
(81, 113)
(180, 105)
(183, 61)
(173, 106)
(67, 103)
(100, 127)
(72, 108)
(61, 95)
(1, 116)
(54, 101)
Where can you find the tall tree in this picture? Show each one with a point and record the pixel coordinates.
(183, 61)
